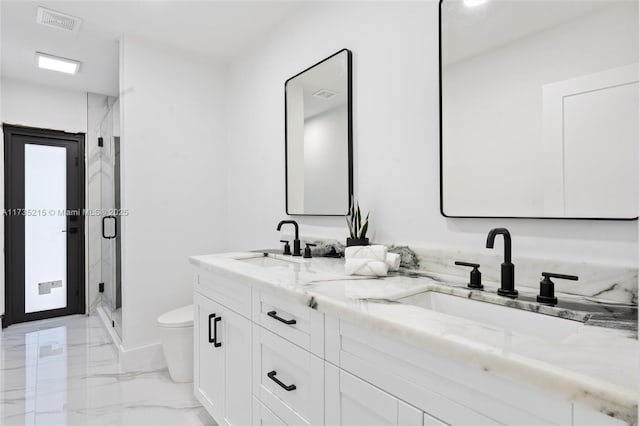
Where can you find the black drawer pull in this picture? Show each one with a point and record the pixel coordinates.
(272, 376)
(214, 339)
(274, 315)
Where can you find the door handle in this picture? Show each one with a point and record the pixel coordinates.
(115, 227)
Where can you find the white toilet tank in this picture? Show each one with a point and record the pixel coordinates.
(176, 333)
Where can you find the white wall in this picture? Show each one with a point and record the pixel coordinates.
(173, 179)
(325, 162)
(33, 105)
(295, 149)
(396, 138)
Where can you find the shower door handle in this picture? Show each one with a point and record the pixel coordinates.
(115, 227)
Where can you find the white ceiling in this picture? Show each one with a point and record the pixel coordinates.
(215, 28)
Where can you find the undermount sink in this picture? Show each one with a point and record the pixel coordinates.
(496, 316)
(269, 260)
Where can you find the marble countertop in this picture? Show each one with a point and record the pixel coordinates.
(594, 366)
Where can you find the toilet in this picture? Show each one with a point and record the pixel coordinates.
(176, 334)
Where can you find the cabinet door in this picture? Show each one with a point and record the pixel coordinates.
(351, 402)
(223, 362)
(236, 369)
(209, 359)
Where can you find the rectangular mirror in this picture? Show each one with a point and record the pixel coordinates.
(318, 138)
(539, 108)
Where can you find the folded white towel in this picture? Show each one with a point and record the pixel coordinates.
(367, 267)
(377, 252)
(393, 261)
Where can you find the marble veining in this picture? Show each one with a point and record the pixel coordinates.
(576, 367)
(615, 283)
(65, 371)
(577, 308)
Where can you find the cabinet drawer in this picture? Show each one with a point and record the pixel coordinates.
(350, 401)
(225, 289)
(262, 416)
(450, 391)
(290, 319)
(287, 379)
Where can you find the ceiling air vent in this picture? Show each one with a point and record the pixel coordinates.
(324, 94)
(58, 20)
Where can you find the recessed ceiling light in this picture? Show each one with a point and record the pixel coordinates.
(474, 3)
(55, 63)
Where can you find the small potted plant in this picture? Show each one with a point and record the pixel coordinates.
(357, 226)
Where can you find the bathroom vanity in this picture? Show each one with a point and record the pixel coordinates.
(282, 340)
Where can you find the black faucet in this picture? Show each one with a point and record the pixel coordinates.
(296, 241)
(507, 276)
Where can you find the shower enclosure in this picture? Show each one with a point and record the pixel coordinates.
(105, 213)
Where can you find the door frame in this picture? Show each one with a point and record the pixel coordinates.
(10, 130)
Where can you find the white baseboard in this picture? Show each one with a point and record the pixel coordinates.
(143, 358)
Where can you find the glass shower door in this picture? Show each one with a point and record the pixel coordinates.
(111, 242)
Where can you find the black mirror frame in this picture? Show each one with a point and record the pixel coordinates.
(349, 133)
(441, 140)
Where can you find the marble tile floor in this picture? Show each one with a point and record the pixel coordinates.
(65, 371)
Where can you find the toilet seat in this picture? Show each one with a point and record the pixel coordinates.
(180, 317)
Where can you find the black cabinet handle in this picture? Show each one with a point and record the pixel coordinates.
(214, 339)
(216, 320)
(274, 315)
(211, 339)
(272, 376)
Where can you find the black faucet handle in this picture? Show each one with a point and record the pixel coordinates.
(561, 276)
(287, 247)
(471, 265)
(547, 290)
(475, 277)
(307, 250)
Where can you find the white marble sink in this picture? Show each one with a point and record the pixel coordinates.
(496, 316)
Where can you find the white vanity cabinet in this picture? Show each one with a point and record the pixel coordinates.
(258, 357)
(264, 357)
